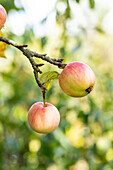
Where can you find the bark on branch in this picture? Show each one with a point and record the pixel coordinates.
(30, 54)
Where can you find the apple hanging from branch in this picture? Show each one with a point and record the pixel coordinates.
(77, 79)
(43, 119)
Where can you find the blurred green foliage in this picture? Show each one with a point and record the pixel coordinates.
(84, 138)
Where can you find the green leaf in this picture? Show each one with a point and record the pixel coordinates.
(47, 78)
(92, 3)
(62, 51)
(43, 41)
(77, 1)
(99, 29)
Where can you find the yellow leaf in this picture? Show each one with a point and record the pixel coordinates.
(2, 47)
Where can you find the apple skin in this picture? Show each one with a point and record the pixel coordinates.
(3, 16)
(43, 119)
(77, 79)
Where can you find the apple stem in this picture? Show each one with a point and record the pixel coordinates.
(44, 98)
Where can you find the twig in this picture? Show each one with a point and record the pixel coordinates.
(44, 92)
(57, 62)
(10, 42)
(30, 54)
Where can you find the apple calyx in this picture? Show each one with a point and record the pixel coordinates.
(89, 89)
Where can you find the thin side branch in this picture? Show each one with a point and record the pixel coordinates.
(54, 61)
(10, 42)
(57, 62)
(30, 54)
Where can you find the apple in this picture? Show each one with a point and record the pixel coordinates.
(43, 119)
(77, 79)
(3, 16)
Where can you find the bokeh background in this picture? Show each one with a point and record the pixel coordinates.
(76, 30)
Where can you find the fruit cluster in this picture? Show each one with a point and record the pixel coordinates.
(77, 80)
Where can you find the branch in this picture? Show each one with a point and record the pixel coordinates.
(10, 42)
(54, 61)
(30, 54)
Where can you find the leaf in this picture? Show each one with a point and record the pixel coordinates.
(77, 1)
(67, 12)
(62, 51)
(43, 41)
(92, 3)
(44, 20)
(99, 29)
(47, 78)
(2, 47)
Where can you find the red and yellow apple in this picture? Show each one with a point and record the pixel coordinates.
(77, 79)
(43, 119)
(3, 16)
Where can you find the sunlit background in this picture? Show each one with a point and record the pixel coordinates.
(82, 16)
(75, 32)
